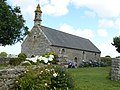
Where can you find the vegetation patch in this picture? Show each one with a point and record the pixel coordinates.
(96, 78)
(46, 77)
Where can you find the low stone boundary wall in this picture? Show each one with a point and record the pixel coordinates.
(115, 72)
(8, 77)
(4, 60)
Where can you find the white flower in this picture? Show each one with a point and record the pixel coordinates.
(51, 56)
(40, 58)
(52, 69)
(26, 62)
(47, 69)
(50, 59)
(28, 58)
(41, 71)
(48, 63)
(45, 59)
(34, 59)
(45, 84)
(55, 75)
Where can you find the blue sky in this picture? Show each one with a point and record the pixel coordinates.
(97, 20)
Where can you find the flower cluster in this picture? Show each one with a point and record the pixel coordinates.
(47, 59)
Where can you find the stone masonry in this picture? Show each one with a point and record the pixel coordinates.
(115, 72)
(8, 77)
(38, 44)
(4, 60)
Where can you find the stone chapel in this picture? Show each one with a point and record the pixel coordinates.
(44, 39)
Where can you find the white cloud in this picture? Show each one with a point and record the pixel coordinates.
(107, 49)
(86, 33)
(102, 32)
(90, 14)
(117, 25)
(43, 2)
(104, 8)
(56, 7)
(110, 23)
(104, 23)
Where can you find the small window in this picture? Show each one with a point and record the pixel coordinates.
(95, 54)
(34, 37)
(75, 59)
(62, 51)
(83, 52)
(32, 56)
(36, 14)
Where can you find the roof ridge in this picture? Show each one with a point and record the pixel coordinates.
(65, 32)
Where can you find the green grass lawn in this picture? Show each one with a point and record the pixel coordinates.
(93, 79)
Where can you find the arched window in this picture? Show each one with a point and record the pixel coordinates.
(75, 59)
(83, 52)
(32, 56)
(62, 51)
(83, 56)
(95, 54)
(34, 37)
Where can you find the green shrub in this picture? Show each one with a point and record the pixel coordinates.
(3, 54)
(22, 55)
(47, 77)
(3, 65)
(15, 61)
(63, 81)
(107, 60)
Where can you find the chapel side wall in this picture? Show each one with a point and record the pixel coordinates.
(72, 53)
(92, 56)
(36, 43)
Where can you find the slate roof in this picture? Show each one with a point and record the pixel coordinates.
(62, 39)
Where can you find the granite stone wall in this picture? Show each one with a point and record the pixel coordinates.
(8, 77)
(115, 72)
(4, 60)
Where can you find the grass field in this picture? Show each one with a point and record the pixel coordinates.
(93, 79)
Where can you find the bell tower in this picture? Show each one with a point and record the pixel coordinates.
(38, 13)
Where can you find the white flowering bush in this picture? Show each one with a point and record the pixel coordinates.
(47, 58)
(48, 77)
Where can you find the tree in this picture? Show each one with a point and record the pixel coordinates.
(3, 54)
(116, 43)
(12, 24)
